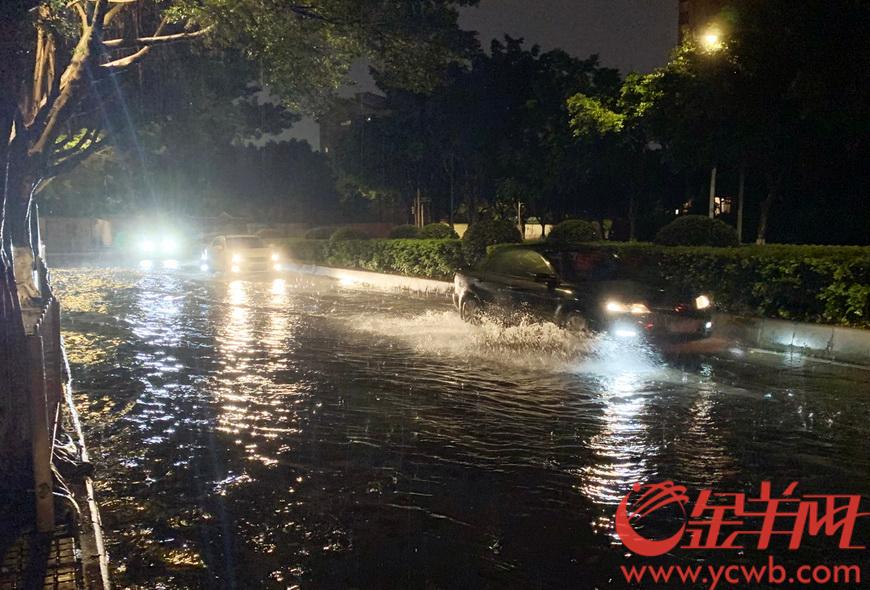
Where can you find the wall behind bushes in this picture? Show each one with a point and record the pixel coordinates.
(826, 284)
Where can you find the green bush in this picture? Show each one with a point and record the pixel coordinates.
(485, 233)
(697, 230)
(308, 250)
(319, 233)
(438, 231)
(436, 259)
(827, 284)
(405, 232)
(573, 231)
(348, 233)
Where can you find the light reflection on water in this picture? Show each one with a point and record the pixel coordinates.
(261, 434)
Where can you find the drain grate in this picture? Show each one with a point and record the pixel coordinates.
(60, 569)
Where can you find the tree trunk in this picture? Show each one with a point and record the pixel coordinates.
(15, 455)
(712, 203)
(773, 187)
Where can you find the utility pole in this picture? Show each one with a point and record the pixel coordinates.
(712, 192)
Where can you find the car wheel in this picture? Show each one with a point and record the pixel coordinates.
(470, 310)
(575, 322)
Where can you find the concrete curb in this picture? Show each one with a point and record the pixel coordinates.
(834, 343)
(375, 279)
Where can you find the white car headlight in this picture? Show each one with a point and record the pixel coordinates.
(613, 306)
(275, 257)
(168, 245)
(146, 245)
(616, 307)
(237, 257)
(702, 302)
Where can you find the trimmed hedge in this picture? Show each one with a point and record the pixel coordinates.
(435, 259)
(573, 231)
(319, 233)
(438, 231)
(827, 284)
(487, 232)
(824, 284)
(697, 230)
(348, 233)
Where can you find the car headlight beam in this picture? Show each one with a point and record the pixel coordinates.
(614, 306)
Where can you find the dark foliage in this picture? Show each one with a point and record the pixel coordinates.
(573, 231)
(438, 231)
(348, 233)
(319, 233)
(697, 230)
(485, 233)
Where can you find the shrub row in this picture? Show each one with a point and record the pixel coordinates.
(828, 284)
(436, 259)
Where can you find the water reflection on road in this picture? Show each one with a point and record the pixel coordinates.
(279, 432)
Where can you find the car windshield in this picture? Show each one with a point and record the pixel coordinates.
(587, 266)
(245, 242)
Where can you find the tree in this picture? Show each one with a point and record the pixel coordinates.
(784, 92)
(615, 132)
(494, 133)
(60, 62)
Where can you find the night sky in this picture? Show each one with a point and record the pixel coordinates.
(631, 35)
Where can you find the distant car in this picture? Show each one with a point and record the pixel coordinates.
(579, 289)
(155, 245)
(240, 253)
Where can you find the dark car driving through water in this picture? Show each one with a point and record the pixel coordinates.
(579, 289)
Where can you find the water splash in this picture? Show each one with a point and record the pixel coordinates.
(528, 343)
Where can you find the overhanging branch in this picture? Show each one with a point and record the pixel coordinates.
(154, 40)
(148, 43)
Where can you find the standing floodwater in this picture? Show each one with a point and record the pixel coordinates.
(273, 433)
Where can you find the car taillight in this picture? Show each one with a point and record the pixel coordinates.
(681, 308)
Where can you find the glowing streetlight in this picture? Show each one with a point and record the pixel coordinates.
(712, 40)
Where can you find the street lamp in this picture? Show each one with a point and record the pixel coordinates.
(711, 40)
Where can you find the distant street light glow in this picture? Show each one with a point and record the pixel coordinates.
(712, 40)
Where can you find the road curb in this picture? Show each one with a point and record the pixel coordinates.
(834, 343)
(376, 279)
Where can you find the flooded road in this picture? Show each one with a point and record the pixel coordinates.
(297, 432)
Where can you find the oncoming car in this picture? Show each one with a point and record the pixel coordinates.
(580, 289)
(153, 246)
(240, 253)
